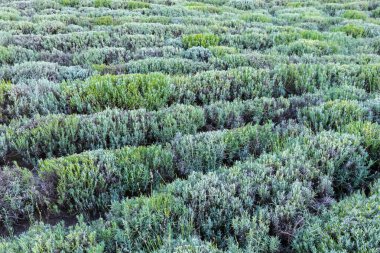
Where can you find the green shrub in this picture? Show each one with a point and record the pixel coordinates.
(251, 40)
(20, 196)
(200, 40)
(197, 54)
(249, 141)
(354, 14)
(146, 223)
(132, 5)
(219, 51)
(257, 17)
(5, 55)
(237, 113)
(178, 119)
(312, 35)
(105, 55)
(376, 13)
(207, 87)
(202, 152)
(5, 87)
(353, 30)
(246, 4)
(71, 3)
(253, 234)
(188, 245)
(204, 8)
(102, 3)
(59, 135)
(333, 114)
(370, 133)
(166, 65)
(91, 181)
(314, 47)
(150, 91)
(104, 20)
(345, 92)
(46, 238)
(351, 225)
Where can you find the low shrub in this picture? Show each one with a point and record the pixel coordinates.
(353, 30)
(333, 114)
(354, 14)
(71, 3)
(102, 3)
(200, 40)
(166, 65)
(46, 238)
(89, 182)
(146, 223)
(314, 47)
(19, 196)
(150, 91)
(197, 54)
(104, 20)
(350, 225)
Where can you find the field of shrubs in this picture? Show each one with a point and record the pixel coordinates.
(189, 126)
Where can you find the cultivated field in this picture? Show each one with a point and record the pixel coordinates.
(189, 126)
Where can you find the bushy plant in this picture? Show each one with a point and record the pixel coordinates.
(20, 196)
(5, 55)
(91, 181)
(257, 17)
(370, 134)
(354, 14)
(353, 30)
(146, 223)
(166, 65)
(102, 3)
(106, 55)
(333, 114)
(77, 238)
(71, 3)
(187, 245)
(200, 40)
(197, 54)
(104, 20)
(132, 5)
(350, 225)
(314, 47)
(150, 91)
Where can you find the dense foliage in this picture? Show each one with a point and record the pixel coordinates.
(189, 126)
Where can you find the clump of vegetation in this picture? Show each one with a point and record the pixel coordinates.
(203, 40)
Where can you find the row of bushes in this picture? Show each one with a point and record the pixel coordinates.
(155, 90)
(98, 177)
(42, 70)
(255, 206)
(77, 41)
(122, 60)
(57, 135)
(225, 60)
(336, 114)
(130, 37)
(88, 182)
